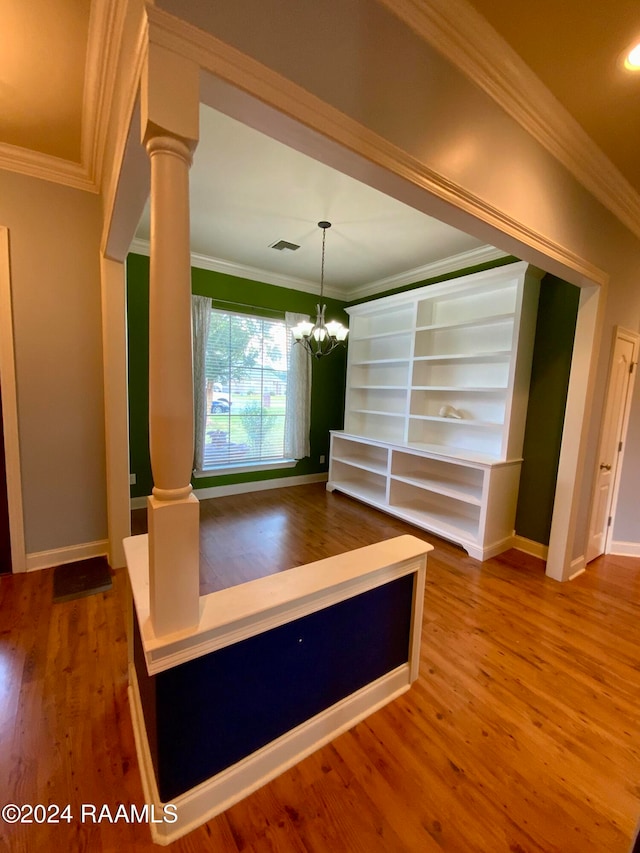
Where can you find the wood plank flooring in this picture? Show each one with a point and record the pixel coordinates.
(522, 733)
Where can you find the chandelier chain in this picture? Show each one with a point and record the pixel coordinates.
(324, 237)
(320, 338)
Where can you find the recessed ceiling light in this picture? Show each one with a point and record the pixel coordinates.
(632, 59)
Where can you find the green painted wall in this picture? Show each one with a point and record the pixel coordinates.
(328, 383)
(555, 332)
(138, 369)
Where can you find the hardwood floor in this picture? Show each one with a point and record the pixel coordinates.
(522, 733)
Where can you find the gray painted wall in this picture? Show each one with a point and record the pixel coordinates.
(54, 234)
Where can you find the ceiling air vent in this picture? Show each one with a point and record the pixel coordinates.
(284, 244)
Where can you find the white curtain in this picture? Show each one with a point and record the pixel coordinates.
(200, 322)
(297, 419)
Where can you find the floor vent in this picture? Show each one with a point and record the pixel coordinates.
(84, 577)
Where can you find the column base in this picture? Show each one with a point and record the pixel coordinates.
(174, 564)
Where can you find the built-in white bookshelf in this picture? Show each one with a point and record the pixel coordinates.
(438, 381)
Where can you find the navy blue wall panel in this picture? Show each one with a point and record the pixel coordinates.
(213, 711)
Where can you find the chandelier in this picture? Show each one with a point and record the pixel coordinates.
(320, 338)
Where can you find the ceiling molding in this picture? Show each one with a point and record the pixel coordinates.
(204, 262)
(455, 263)
(45, 167)
(263, 276)
(278, 92)
(468, 41)
(106, 25)
(106, 22)
(123, 122)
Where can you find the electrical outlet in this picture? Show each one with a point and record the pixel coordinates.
(322, 458)
(132, 479)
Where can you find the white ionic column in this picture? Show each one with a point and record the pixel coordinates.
(172, 510)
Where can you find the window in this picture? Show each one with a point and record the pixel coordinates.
(246, 390)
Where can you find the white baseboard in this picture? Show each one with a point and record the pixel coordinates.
(624, 549)
(489, 551)
(243, 488)
(71, 554)
(220, 792)
(529, 546)
(578, 566)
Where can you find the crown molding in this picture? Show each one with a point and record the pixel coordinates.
(274, 90)
(206, 262)
(457, 31)
(122, 122)
(106, 21)
(263, 276)
(106, 24)
(454, 263)
(46, 167)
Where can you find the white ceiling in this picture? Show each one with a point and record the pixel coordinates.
(249, 191)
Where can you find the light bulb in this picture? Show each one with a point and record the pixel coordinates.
(632, 59)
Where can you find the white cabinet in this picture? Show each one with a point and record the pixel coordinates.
(437, 392)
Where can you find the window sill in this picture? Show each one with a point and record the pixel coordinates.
(245, 469)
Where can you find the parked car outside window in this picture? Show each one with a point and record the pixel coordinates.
(220, 403)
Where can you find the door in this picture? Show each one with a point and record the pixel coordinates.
(611, 448)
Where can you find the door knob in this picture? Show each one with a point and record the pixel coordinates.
(604, 467)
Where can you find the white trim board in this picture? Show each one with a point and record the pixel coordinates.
(577, 567)
(10, 410)
(235, 613)
(244, 488)
(71, 554)
(624, 549)
(220, 792)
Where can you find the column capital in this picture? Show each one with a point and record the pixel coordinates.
(161, 142)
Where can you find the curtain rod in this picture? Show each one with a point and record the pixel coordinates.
(216, 302)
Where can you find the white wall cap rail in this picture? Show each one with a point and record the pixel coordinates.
(242, 611)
